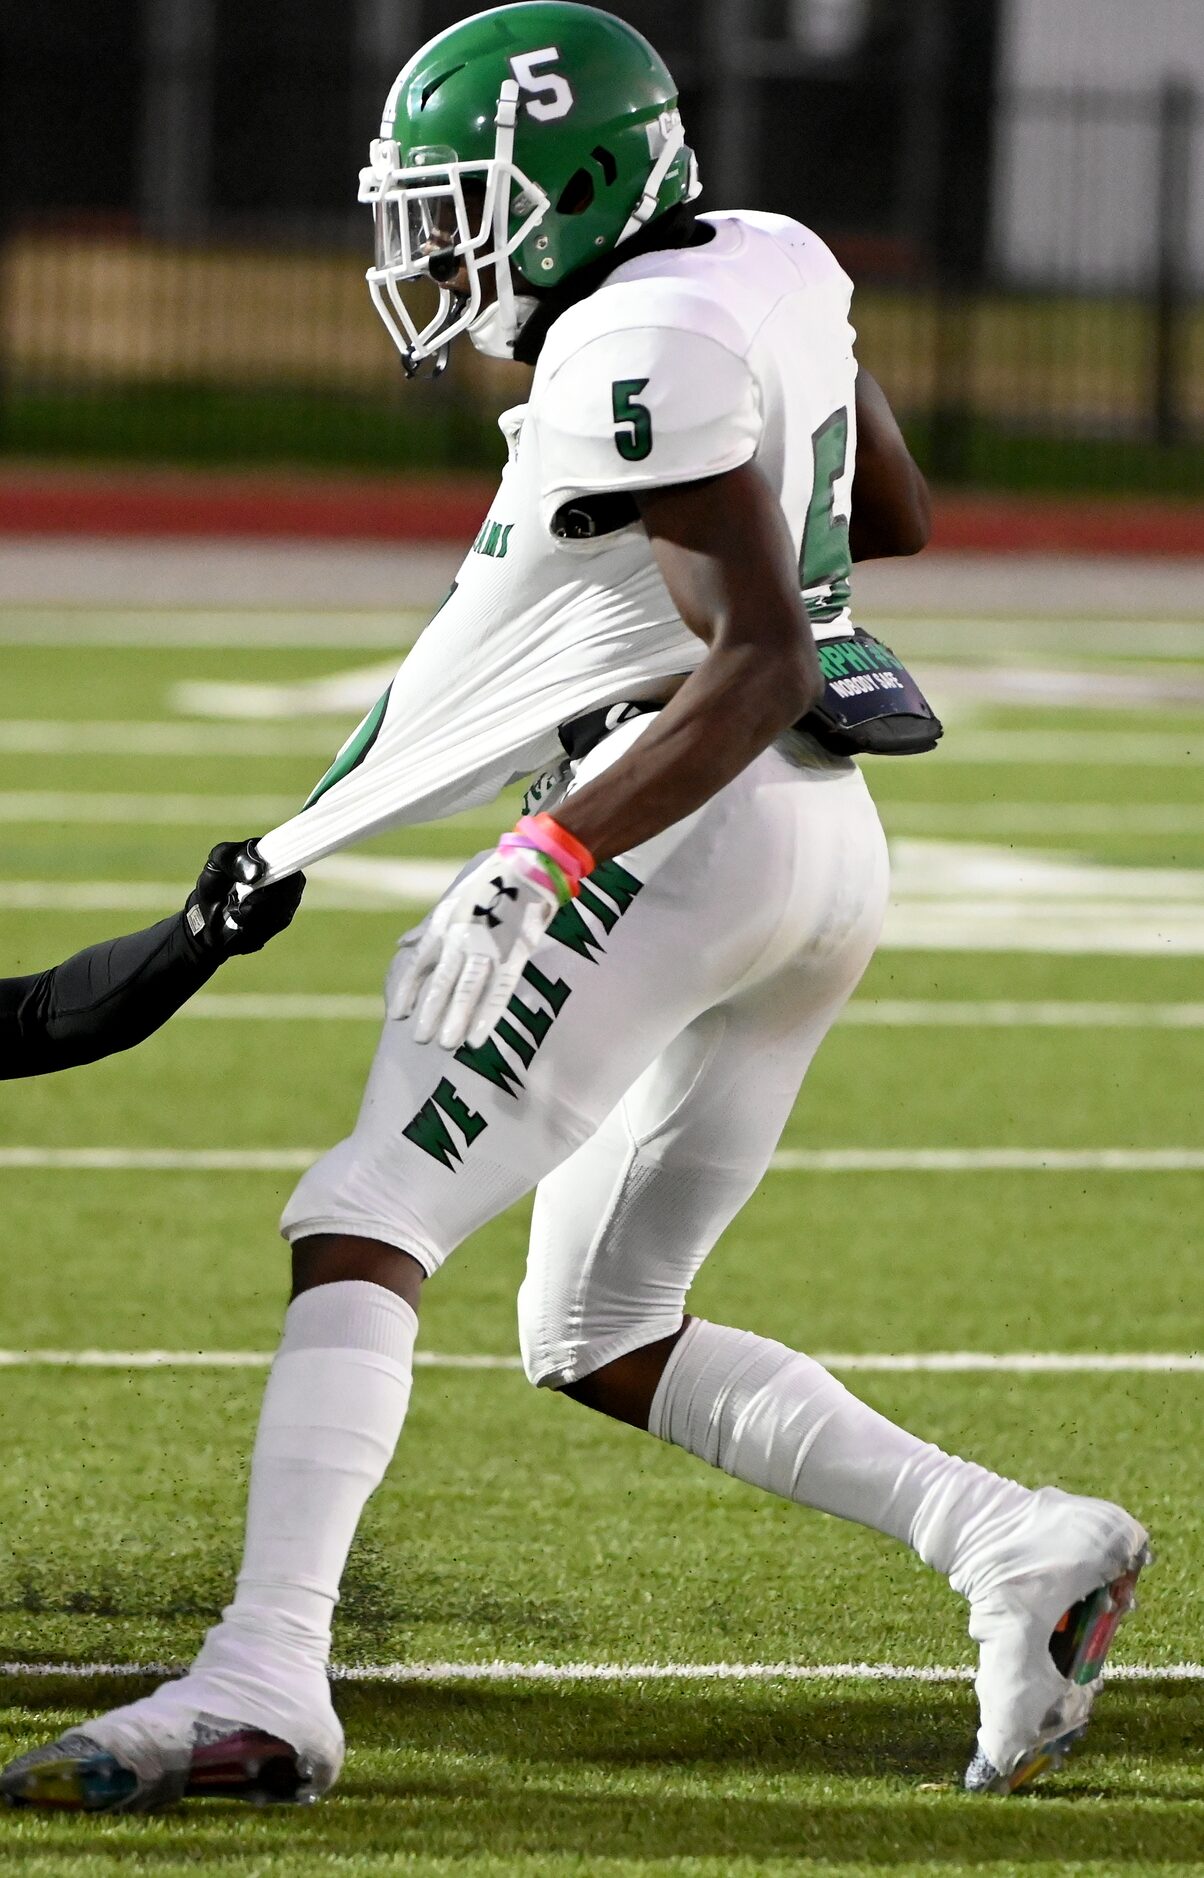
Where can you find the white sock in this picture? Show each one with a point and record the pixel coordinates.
(332, 1413)
(779, 1420)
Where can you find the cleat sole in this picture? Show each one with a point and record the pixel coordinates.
(250, 1766)
(94, 1783)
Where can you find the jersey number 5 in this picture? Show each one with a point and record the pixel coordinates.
(825, 559)
(634, 443)
(552, 95)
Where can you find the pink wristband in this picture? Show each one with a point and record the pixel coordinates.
(565, 849)
(544, 836)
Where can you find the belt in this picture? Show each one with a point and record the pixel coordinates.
(582, 734)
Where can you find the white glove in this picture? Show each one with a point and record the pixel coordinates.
(466, 960)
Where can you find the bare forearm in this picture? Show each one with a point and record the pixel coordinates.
(726, 713)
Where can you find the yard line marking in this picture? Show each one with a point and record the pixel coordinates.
(971, 684)
(902, 1363)
(1011, 638)
(948, 896)
(143, 737)
(1049, 928)
(179, 628)
(997, 1014)
(1065, 927)
(988, 1160)
(286, 1007)
(164, 1160)
(956, 819)
(349, 628)
(1107, 748)
(342, 883)
(146, 737)
(1004, 1015)
(785, 1161)
(141, 810)
(972, 873)
(344, 694)
(216, 1359)
(500, 1671)
(1043, 818)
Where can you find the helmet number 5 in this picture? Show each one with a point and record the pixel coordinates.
(633, 444)
(552, 96)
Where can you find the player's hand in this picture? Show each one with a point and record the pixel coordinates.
(463, 964)
(458, 971)
(227, 913)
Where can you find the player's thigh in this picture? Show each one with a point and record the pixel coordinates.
(720, 902)
(445, 1141)
(621, 1228)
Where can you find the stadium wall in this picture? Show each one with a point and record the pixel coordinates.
(195, 504)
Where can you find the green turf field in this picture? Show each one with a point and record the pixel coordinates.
(1040, 991)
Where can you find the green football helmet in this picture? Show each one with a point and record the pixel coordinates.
(530, 139)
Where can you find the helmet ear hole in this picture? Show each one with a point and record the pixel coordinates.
(577, 195)
(604, 158)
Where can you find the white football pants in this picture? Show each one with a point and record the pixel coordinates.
(644, 1072)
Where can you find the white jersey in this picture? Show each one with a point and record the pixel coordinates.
(686, 363)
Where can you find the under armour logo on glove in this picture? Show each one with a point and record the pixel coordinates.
(458, 972)
(487, 913)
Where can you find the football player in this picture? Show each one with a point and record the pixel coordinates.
(110, 996)
(618, 1005)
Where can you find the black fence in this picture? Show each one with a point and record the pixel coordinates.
(181, 267)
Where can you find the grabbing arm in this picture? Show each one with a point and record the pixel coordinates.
(726, 556)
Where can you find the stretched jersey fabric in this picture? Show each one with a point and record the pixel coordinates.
(105, 999)
(685, 363)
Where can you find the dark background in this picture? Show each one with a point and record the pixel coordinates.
(177, 182)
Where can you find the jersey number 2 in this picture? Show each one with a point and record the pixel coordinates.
(634, 443)
(825, 559)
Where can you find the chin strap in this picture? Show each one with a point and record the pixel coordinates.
(505, 121)
(649, 201)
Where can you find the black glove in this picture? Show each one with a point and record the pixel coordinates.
(223, 917)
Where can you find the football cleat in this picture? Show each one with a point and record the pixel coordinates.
(75, 1774)
(220, 1732)
(1044, 1632)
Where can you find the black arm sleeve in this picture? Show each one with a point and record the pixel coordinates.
(102, 1000)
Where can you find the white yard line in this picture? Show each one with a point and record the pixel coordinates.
(786, 1161)
(146, 737)
(173, 629)
(164, 1160)
(143, 737)
(500, 1671)
(894, 1013)
(284, 1007)
(208, 811)
(1058, 748)
(214, 1359)
(70, 806)
(988, 1160)
(407, 884)
(922, 633)
(1058, 926)
(1050, 817)
(947, 896)
(953, 819)
(1000, 1014)
(903, 1363)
